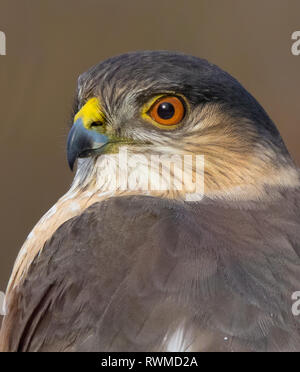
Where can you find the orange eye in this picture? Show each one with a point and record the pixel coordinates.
(167, 111)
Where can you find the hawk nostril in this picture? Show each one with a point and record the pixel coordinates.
(96, 124)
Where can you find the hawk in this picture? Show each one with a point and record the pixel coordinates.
(113, 267)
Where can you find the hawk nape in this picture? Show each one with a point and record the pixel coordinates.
(136, 270)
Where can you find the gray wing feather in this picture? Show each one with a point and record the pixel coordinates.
(146, 274)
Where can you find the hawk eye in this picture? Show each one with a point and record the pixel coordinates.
(167, 110)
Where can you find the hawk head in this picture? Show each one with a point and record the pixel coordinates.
(162, 103)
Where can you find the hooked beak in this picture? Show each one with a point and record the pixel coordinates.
(82, 142)
(90, 135)
(83, 139)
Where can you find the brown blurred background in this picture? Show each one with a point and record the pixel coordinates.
(50, 42)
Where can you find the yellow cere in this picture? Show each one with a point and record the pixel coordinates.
(90, 113)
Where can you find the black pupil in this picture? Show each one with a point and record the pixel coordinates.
(166, 110)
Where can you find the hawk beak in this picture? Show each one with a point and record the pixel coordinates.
(82, 142)
(83, 139)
